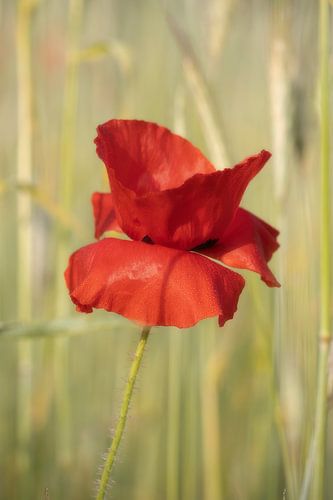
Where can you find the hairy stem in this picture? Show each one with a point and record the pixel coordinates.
(123, 414)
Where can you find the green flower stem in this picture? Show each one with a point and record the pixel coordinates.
(316, 460)
(123, 414)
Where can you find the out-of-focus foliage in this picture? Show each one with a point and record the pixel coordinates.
(218, 413)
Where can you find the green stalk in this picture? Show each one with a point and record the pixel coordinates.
(211, 426)
(280, 112)
(68, 146)
(174, 408)
(123, 414)
(202, 96)
(24, 227)
(325, 272)
(316, 460)
(66, 201)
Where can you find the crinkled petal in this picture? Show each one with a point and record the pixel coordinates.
(150, 284)
(248, 243)
(165, 189)
(104, 214)
(190, 215)
(146, 157)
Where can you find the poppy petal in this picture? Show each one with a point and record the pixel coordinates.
(104, 214)
(146, 157)
(248, 243)
(191, 214)
(151, 284)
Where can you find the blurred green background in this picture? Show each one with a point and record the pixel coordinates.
(217, 413)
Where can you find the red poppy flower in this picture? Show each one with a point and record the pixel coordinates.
(178, 210)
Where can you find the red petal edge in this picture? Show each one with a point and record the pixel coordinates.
(147, 157)
(248, 243)
(104, 214)
(188, 216)
(151, 284)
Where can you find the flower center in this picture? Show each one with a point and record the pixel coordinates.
(203, 246)
(147, 239)
(208, 244)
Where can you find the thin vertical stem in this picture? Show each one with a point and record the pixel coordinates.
(325, 170)
(202, 96)
(211, 428)
(24, 227)
(190, 422)
(280, 106)
(316, 459)
(174, 408)
(67, 161)
(123, 414)
(68, 145)
(325, 271)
